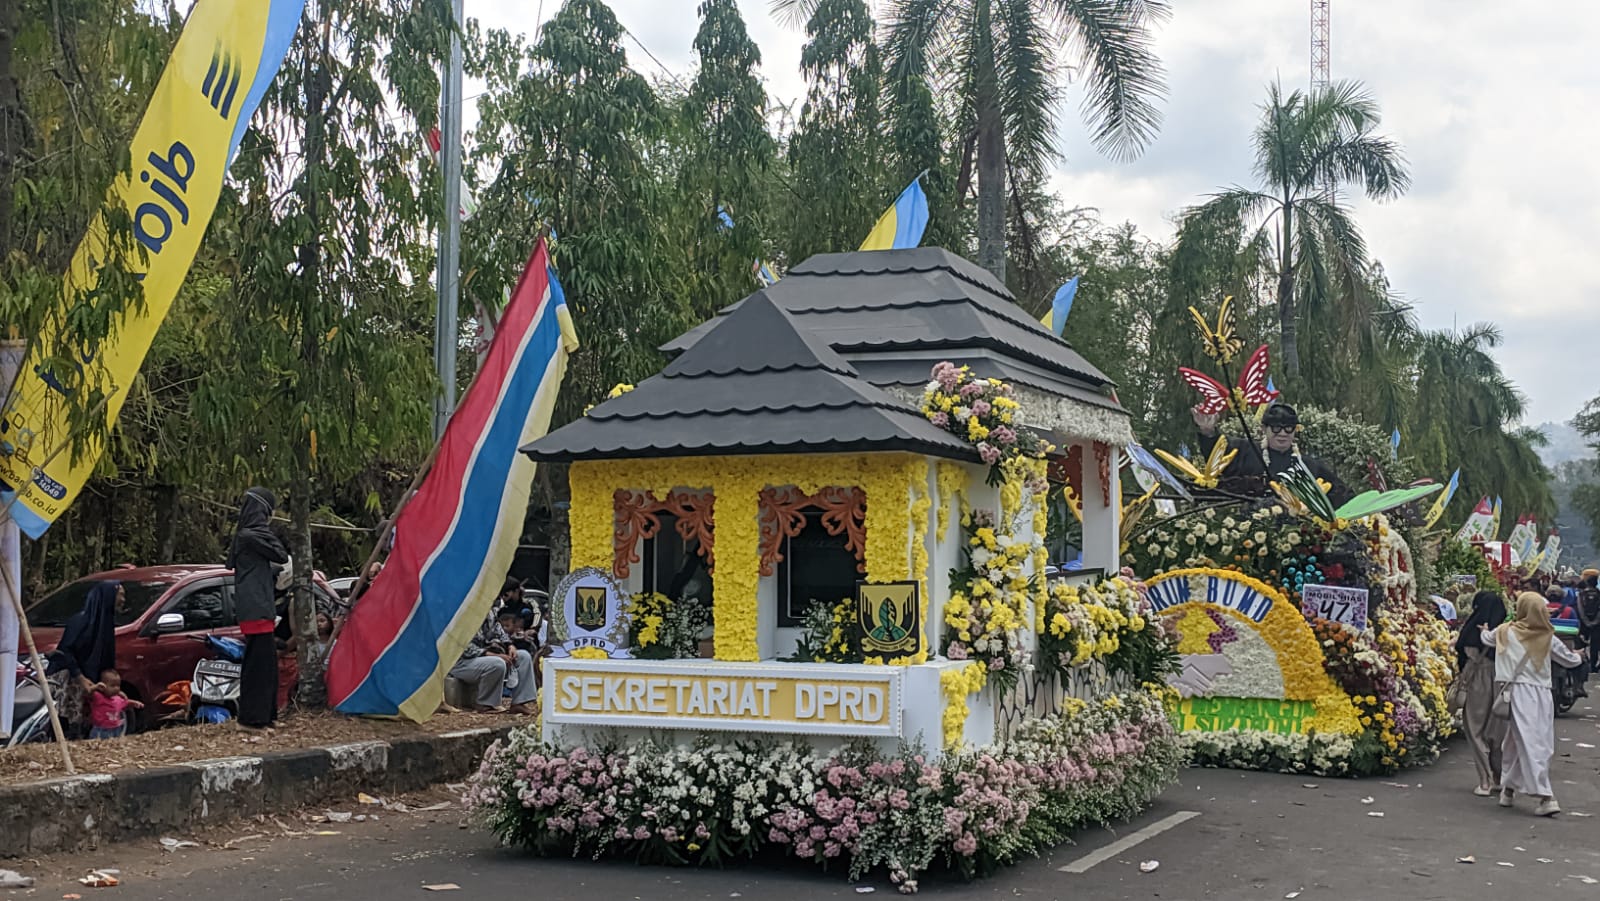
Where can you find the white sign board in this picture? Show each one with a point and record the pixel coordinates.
(592, 607)
(1336, 603)
(795, 699)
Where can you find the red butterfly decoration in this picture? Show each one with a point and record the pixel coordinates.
(1252, 385)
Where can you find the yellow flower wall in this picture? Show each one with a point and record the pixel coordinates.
(894, 520)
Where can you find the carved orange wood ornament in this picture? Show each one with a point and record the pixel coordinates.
(1102, 455)
(638, 516)
(844, 512)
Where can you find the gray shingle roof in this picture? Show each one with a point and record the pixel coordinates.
(754, 383)
(893, 313)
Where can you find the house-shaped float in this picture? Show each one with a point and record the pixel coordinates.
(783, 456)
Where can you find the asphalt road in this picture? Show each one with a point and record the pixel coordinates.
(1231, 835)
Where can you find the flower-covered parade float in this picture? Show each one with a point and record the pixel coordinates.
(810, 609)
(1305, 646)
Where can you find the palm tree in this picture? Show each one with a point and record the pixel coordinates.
(1466, 412)
(1307, 147)
(998, 60)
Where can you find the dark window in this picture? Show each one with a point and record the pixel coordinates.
(816, 568)
(205, 607)
(674, 567)
(60, 605)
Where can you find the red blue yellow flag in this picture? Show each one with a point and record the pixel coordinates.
(455, 540)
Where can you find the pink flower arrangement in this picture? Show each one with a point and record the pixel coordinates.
(982, 411)
(975, 811)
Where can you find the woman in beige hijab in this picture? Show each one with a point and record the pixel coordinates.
(1523, 651)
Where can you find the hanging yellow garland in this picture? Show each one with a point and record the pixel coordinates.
(952, 480)
(957, 684)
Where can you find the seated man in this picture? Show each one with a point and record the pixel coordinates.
(491, 664)
(1248, 474)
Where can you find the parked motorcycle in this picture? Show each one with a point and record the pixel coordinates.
(1567, 683)
(30, 719)
(212, 694)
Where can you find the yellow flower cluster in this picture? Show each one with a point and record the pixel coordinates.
(920, 508)
(647, 611)
(952, 478)
(590, 653)
(618, 390)
(1088, 622)
(956, 684)
(738, 544)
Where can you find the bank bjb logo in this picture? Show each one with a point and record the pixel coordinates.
(589, 613)
(221, 84)
(889, 618)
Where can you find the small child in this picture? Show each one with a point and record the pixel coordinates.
(107, 706)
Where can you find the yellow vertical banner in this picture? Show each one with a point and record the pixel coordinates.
(227, 56)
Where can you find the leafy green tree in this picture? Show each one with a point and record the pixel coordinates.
(1465, 414)
(74, 80)
(321, 360)
(1586, 493)
(836, 156)
(729, 155)
(572, 138)
(1307, 146)
(1000, 59)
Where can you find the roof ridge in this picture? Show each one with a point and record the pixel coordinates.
(757, 337)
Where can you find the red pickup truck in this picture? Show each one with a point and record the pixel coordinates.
(167, 609)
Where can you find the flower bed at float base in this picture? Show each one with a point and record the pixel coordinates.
(1393, 672)
(855, 810)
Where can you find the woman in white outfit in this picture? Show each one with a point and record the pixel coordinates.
(1523, 650)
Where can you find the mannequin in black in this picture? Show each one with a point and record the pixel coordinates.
(1248, 474)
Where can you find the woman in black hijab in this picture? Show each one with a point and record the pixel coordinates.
(1484, 730)
(88, 647)
(251, 556)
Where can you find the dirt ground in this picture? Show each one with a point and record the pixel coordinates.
(183, 744)
(387, 826)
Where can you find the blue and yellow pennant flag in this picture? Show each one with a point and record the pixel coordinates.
(1060, 306)
(901, 226)
(227, 56)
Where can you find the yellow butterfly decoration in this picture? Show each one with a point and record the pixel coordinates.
(1216, 463)
(1134, 512)
(1221, 343)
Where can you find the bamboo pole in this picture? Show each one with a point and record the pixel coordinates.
(37, 662)
(22, 614)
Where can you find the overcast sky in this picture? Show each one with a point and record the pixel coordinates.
(1492, 102)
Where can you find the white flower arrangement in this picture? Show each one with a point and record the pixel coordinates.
(727, 799)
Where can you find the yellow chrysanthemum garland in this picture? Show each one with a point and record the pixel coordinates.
(957, 684)
(952, 478)
(919, 556)
(590, 653)
(888, 480)
(1285, 630)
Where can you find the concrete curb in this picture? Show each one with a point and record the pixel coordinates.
(77, 813)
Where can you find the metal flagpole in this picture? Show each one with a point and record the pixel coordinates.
(445, 336)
